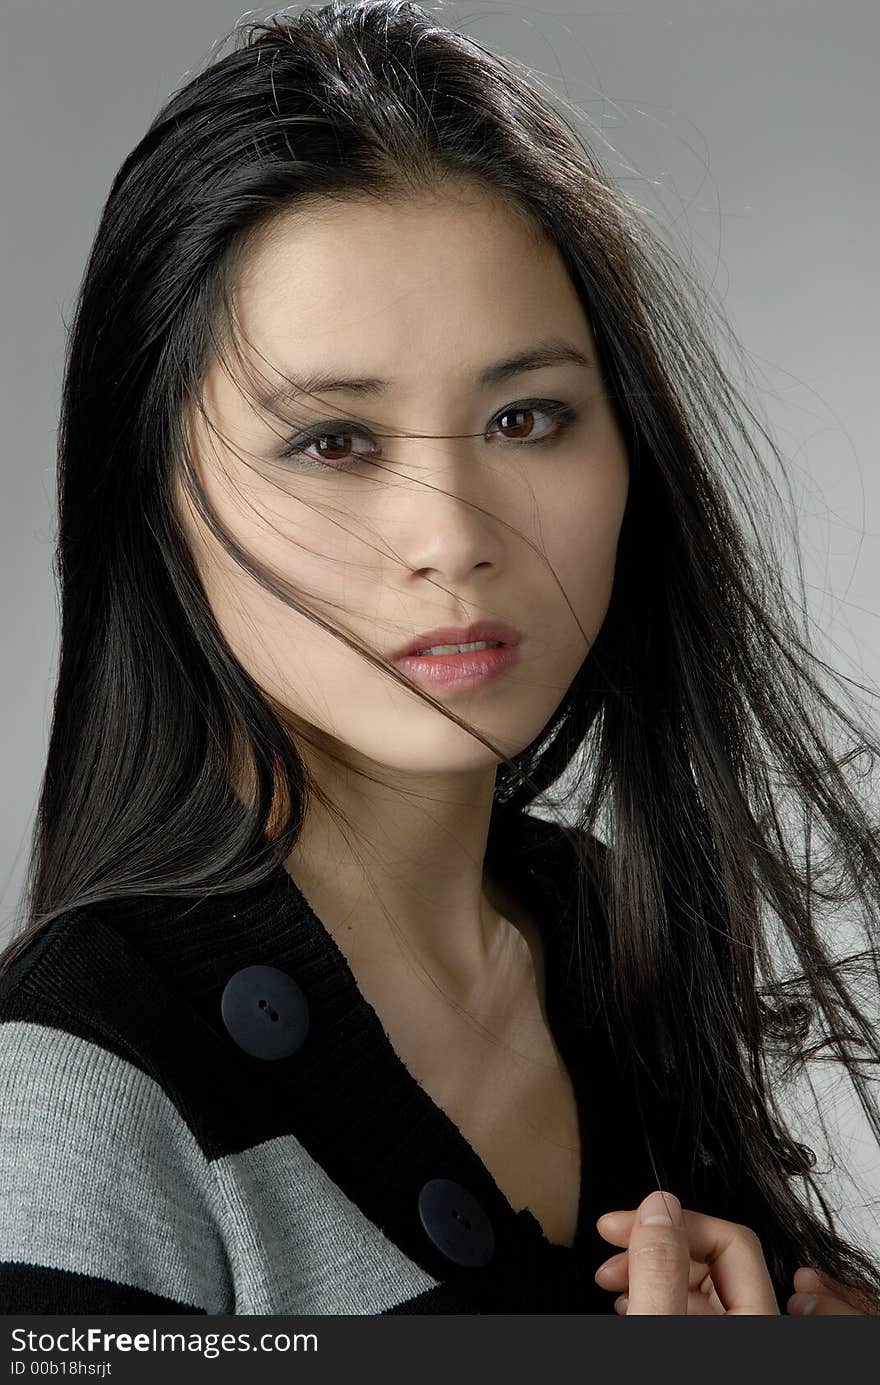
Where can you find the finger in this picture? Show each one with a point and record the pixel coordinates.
(811, 1281)
(819, 1305)
(614, 1274)
(698, 1305)
(658, 1258)
(732, 1252)
(807, 1280)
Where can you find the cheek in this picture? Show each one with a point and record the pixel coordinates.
(300, 547)
(289, 656)
(581, 518)
(307, 545)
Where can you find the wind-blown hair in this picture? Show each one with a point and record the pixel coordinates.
(700, 716)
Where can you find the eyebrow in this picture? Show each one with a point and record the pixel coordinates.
(554, 352)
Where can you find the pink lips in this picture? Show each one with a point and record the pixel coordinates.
(469, 634)
(469, 669)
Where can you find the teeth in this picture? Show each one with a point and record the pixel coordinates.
(460, 648)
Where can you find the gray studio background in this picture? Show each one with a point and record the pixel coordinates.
(747, 129)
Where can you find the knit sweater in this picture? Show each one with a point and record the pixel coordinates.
(182, 1134)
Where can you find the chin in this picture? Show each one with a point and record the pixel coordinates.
(447, 755)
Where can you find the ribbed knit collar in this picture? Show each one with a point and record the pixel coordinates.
(348, 1097)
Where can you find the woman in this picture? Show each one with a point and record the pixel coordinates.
(392, 491)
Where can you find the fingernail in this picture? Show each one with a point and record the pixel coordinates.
(810, 1278)
(621, 1304)
(803, 1304)
(661, 1208)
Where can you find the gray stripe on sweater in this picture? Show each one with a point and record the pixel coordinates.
(300, 1245)
(100, 1175)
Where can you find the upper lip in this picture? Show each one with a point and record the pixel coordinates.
(469, 634)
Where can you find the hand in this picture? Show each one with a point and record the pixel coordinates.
(700, 1265)
(817, 1293)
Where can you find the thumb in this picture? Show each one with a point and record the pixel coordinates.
(658, 1257)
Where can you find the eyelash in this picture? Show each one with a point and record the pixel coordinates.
(563, 415)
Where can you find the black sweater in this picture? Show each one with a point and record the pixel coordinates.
(181, 1134)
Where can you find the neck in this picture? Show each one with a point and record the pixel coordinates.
(404, 862)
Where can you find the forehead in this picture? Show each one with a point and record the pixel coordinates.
(404, 289)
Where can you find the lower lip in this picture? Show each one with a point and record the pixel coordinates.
(470, 669)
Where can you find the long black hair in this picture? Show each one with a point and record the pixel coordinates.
(698, 732)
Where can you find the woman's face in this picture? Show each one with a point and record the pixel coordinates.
(491, 525)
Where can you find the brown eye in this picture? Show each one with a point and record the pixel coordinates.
(334, 449)
(510, 419)
(520, 429)
(338, 443)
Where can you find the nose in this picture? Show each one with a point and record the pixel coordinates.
(447, 536)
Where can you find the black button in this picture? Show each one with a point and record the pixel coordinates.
(265, 1012)
(456, 1223)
